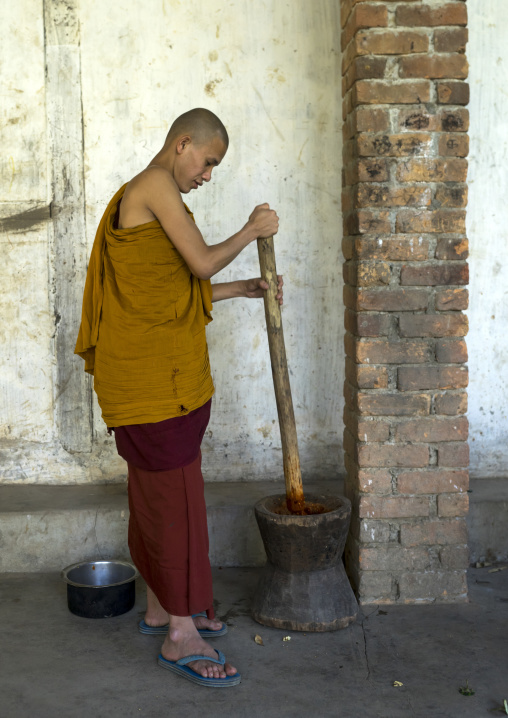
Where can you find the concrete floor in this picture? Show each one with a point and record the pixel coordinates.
(56, 664)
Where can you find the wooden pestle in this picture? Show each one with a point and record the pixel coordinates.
(291, 458)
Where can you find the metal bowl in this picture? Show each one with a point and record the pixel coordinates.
(100, 589)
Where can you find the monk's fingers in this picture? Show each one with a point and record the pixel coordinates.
(280, 281)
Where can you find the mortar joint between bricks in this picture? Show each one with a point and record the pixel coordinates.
(432, 456)
(394, 535)
(432, 506)
(392, 68)
(395, 269)
(393, 474)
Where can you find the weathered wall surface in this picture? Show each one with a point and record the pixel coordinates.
(487, 223)
(271, 71)
(88, 104)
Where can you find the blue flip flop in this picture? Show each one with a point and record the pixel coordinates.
(183, 669)
(162, 630)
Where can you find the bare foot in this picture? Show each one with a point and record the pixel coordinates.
(157, 616)
(184, 640)
(211, 624)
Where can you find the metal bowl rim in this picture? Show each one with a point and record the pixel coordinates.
(65, 571)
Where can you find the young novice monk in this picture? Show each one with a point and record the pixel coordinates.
(147, 299)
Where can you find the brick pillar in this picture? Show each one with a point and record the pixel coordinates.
(404, 198)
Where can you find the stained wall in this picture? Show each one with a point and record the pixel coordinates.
(88, 109)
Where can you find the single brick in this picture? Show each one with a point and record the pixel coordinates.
(350, 395)
(453, 93)
(372, 531)
(432, 170)
(377, 481)
(454, 557)
(349, 153)
(456, 454)
(411, 247)
(375, 587)
(454, 13)
(416, 119)
(433, 325)
(433, 586)
(393, 404)
(392, 299)
(386, 455)
(366, 377)
(432, 481)
(347, 247)
(454, 145)
(367, 325)
(402, 145)
(379, 92)
(434, 274)
(393, 558)
(451, 195)
(451, 351)
(440, 220)
(368, 430)
(378, 195)
(350, 446)
(427, 533)
(456, 120)
(387, 507)
(364, 68)
(433, 66)
(453, 39)
(373, 170)
(362, 430)
(347, 199)
(451, 404)
(367, 274)
(371, 119)
(381, 351)
(365, 221)
(411, 378)
(452, 505)
(390, 42)
(363, 15)
(433, 429)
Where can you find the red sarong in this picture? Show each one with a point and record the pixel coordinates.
(168, 536)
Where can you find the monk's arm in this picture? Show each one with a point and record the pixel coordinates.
(163, 199)
(251, 288)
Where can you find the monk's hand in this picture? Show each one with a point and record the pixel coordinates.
(264, 221)
(255, 288)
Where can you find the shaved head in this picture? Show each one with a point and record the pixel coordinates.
(201, 125)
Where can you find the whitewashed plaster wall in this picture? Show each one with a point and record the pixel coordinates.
(271, 70)
(487, 224)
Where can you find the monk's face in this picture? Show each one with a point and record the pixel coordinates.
(196, 163)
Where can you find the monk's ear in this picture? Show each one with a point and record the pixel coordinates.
(182, 143)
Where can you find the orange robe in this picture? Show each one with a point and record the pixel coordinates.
(142, 332)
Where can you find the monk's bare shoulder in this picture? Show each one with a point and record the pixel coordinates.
(144, 193)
